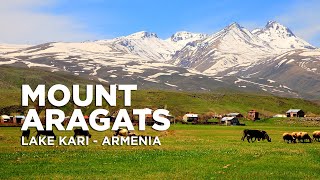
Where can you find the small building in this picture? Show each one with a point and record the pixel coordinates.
(230, 121)
(5, 119)
(190, 117)
(237, 115)
(18, 119)
(295, 113)
(253, 115)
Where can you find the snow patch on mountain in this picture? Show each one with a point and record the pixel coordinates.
(182, 38)
(310, 53)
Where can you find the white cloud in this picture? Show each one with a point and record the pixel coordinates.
(304, 16)
(22, 22)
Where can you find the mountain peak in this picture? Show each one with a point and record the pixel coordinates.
(281, 37)
(270, 23)
(274, 24)
(233, 25)
(279, 28)
(142, 35)
(234, 30)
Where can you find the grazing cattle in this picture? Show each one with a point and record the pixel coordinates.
(304, 136)
(301, 136)
(287, 137)
(46, 133)
(316, 135)
(123, 132)
(80, 132)
(256, 134)
(26, 133)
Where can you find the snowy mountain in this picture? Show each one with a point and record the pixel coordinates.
(271, 60)
(236, 46)
(232, 46)
(280, 37)
(144, 44)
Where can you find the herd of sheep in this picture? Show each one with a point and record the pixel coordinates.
(300, 137)
(253, 135)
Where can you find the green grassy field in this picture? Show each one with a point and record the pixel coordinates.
(178, 103)
(187, 152)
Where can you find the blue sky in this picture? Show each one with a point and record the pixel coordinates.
(37, 21)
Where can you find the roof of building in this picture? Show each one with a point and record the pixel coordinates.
(20, 116)
(5, 117)
(293, 110)
(233, 114)
(227, 118)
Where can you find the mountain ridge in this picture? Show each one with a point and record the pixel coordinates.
(233, 57)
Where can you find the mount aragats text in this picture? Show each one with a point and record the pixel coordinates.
(55, 117)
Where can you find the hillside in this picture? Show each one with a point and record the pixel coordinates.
(220, 101)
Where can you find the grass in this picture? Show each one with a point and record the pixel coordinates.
(187, 152)
(178, 103)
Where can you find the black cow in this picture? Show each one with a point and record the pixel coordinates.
(26, 133)
(80, 132)
(256, 134)
(46, 133)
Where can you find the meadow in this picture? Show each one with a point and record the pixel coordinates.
(187, 152)
(177, 102)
